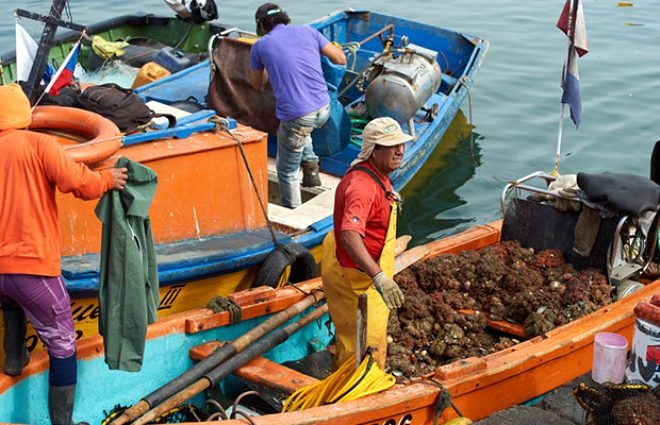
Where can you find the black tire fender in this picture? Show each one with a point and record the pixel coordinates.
(302, 262)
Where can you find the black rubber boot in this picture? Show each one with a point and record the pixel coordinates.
(15, 327)
(60, 405)
(311, 174)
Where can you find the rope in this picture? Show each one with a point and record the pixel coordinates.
(345, 384)
(219, 121)
(219, 304)
(443, 401)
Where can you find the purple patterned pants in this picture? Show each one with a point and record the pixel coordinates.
(48, 306)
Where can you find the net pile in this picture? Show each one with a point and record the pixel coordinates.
(625, 404)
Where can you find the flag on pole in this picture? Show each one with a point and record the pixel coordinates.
(577, 34)
(26, 49)
(64, 74)
(571, 22)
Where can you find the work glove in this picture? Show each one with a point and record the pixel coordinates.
(389, 290)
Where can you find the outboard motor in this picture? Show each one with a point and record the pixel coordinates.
(400, 84)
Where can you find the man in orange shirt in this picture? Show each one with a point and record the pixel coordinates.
(32, 166)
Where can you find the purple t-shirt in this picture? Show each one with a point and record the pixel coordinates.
(291, 54)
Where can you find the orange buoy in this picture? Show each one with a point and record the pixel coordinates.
(102, 137)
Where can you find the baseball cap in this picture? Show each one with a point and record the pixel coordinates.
(384, 131)
(266, 9)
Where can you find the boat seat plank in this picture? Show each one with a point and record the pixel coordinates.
(260, 370)
(305, 215)
(267, 373)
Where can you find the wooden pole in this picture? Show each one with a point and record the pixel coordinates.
(214, 376)
(361, 344)
(215, 359)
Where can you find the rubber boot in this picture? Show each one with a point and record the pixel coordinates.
(60, 405)
(311, 174)
(15, 327)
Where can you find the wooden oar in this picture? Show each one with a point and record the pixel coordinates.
(514, 329)
(220, 355)
(214, 376)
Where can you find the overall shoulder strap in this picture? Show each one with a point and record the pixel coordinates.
(390, 195)
(372, 174)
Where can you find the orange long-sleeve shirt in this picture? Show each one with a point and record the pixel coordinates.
(32, 166)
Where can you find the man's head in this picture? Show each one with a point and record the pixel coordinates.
(16, 111)
(383, 143)
(268, 15)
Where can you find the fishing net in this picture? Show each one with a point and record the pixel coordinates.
(625, 404)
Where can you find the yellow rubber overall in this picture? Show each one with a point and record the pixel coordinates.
(343, 286)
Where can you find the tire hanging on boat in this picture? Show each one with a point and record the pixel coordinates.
(295, 255)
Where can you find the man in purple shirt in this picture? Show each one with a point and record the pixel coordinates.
(289, 56)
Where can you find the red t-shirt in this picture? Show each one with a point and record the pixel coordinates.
(361, 206)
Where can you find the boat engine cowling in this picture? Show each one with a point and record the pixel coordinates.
(399, 85)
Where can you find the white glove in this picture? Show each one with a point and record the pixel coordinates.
(389, 290)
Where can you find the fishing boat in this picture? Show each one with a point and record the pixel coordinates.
(226, 356)
(216, 218)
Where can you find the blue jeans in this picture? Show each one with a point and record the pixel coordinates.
(294, 146)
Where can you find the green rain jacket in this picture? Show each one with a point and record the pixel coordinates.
(128, 287)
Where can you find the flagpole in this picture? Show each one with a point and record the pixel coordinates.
(570, 34)
(555, 172)
(41, 57)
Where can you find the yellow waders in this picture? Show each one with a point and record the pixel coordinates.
(342, 287)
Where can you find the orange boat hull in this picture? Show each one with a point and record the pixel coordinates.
(477, 386)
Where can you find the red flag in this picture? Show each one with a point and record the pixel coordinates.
(577, 32)
(64, 74)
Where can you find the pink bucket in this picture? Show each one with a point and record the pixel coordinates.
(610, 357)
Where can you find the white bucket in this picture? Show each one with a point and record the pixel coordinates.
(644, 362)
(610, 354)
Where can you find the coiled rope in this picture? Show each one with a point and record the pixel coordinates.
(345, 384)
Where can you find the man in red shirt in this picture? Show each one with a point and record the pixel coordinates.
(358, 256)
(32, 166)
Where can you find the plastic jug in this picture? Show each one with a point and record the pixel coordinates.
(149, 72)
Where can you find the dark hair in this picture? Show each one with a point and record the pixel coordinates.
(268, 15)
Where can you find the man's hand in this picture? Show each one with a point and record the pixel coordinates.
(119, 177)
(389, 290)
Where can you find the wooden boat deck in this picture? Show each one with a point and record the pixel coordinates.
(318, 202)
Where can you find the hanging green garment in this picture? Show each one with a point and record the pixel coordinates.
(128, 287)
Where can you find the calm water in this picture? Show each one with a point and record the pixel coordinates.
(513, 107)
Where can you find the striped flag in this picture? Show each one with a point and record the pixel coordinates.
(571, 22)
(577, 34)
(64, 74)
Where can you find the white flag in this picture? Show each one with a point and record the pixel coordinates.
(26, 50)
